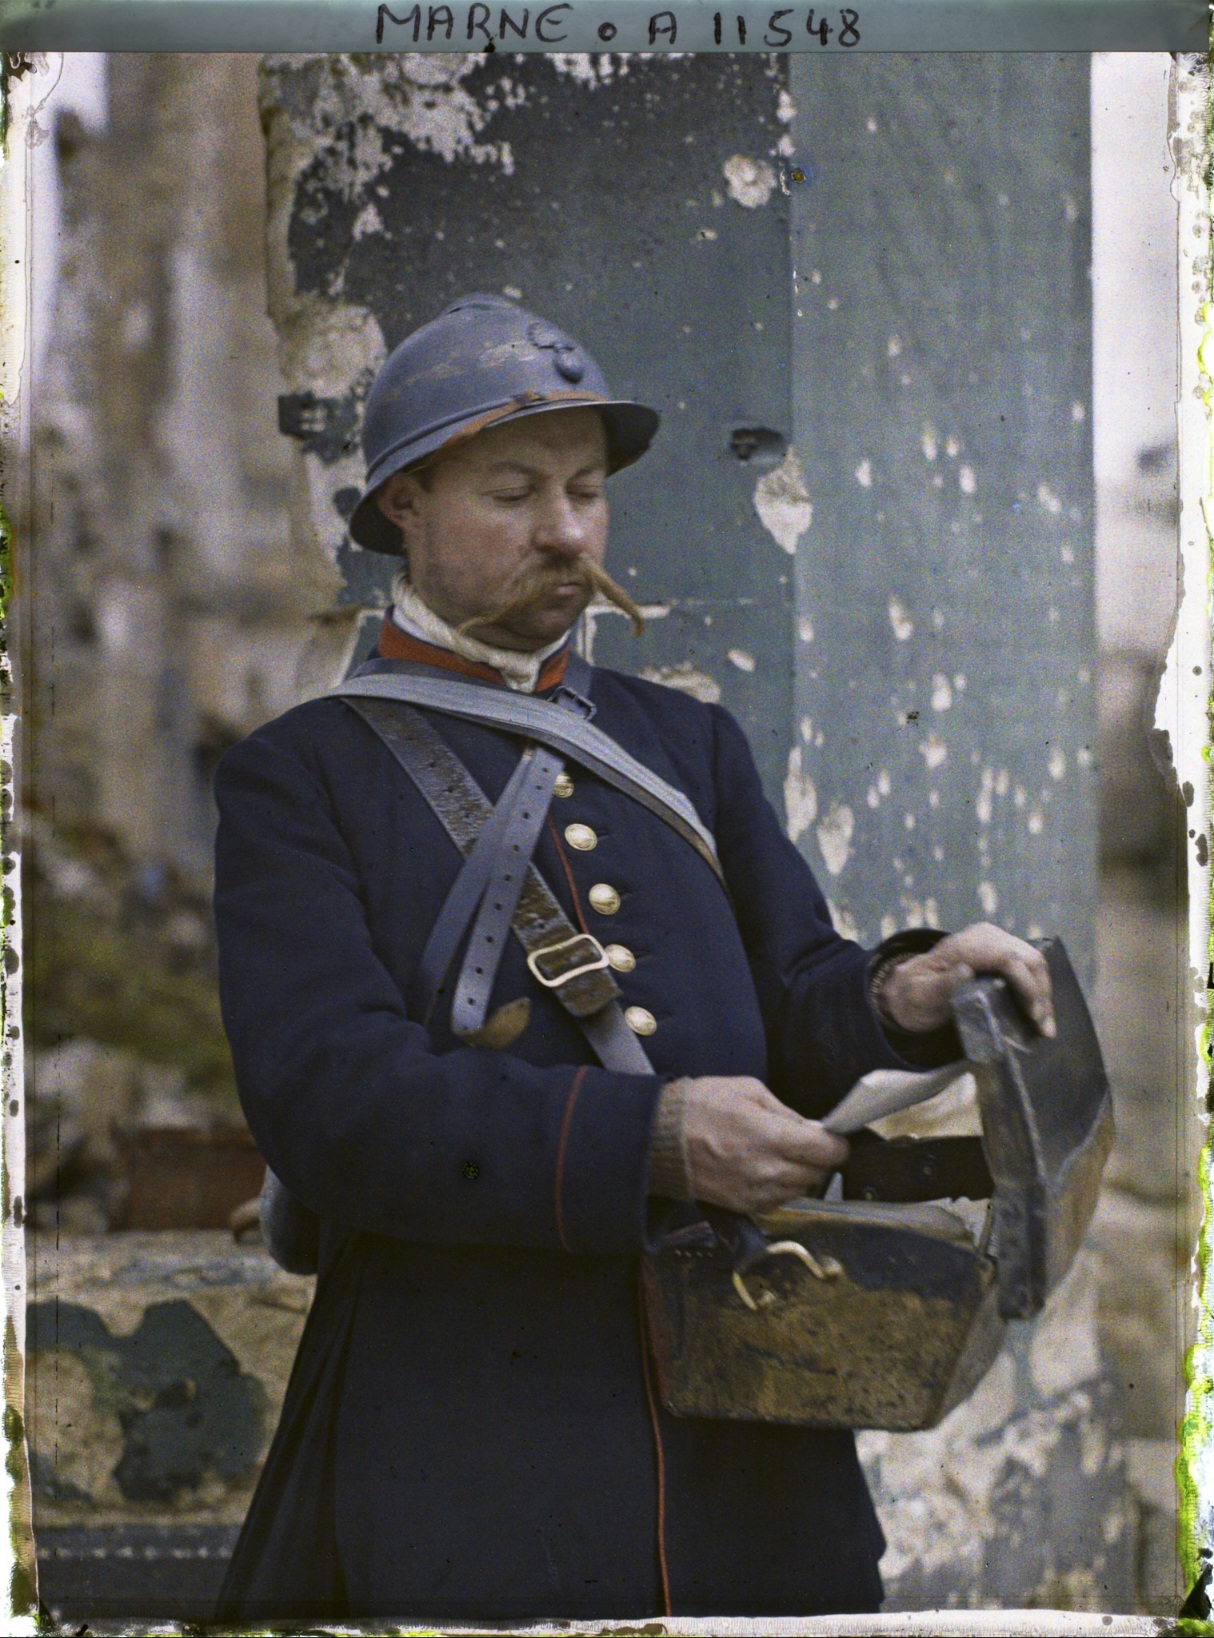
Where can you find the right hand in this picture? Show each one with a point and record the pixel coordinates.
(747, 1150)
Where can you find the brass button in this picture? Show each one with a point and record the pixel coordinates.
(581, 837)
(563, 785)
(604, 899)
(620, 957)
(640, 1020)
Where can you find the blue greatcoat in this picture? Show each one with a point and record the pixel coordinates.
(470, 1430)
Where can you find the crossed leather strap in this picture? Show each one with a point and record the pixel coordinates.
(499, 890)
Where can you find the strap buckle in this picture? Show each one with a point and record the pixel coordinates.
(571, 700)
(568, 959)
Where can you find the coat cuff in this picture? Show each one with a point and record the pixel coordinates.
(668, 1173)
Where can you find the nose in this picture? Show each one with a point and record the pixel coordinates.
(561, 527)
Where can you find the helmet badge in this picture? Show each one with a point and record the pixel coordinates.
(569, 360)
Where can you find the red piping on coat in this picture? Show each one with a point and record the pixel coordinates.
(659, 1452)
(562, 1145)
(562, 856)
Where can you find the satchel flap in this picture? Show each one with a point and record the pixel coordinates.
(1046, 1124)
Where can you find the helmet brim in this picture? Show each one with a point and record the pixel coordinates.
(630, 431)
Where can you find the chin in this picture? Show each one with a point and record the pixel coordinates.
(539, 637)
(538, 630)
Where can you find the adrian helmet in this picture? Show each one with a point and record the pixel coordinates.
(482, 361)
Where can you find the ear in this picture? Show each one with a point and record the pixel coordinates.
(397, 499)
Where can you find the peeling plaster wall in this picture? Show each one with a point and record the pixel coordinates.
(1019, 1497)
(1149, 1216)
(942, 391)
(943, 770)
(242, 1305)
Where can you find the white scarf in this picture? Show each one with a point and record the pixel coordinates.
(519, 671)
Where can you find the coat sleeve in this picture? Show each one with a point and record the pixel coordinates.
(822, 1030)
(353, 1109)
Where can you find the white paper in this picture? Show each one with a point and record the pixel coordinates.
(885, 1091)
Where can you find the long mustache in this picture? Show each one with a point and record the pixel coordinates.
(534, 583)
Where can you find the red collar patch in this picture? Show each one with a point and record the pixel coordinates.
(395, 644)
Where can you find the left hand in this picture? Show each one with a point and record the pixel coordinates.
(918, 993)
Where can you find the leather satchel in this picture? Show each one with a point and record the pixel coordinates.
(884, 1309)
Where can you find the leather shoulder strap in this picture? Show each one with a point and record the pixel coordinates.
(569, 963)
(566, 731)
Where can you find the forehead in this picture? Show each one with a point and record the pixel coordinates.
(550, 439)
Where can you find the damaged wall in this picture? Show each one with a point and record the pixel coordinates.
(942, 389)
(943, 766)
(156, 1369)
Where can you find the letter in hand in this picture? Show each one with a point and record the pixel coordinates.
(918, 993)
(748, 1151)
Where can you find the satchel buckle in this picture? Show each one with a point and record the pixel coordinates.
(828, 1269)
(568, 958)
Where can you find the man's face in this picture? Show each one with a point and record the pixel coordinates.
(519, 506)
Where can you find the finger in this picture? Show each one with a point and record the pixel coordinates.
(982, 944)
(810, 1144)
(791, 1184)
(994, 950)
(1033, 986)
(1031, 983)
(754, 1194)
(970, 944)
(788, 1177)
(802, 1168)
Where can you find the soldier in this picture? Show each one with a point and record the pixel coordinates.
(471, 1430)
